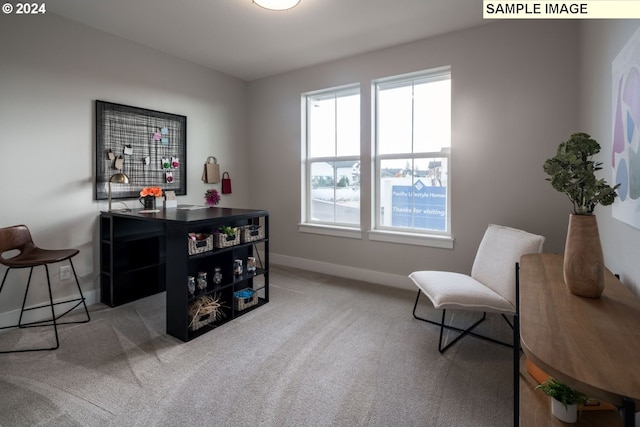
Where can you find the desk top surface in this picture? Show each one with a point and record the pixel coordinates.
(189, 216)
(591, 344)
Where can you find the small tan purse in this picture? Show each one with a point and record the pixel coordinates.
(211, 172)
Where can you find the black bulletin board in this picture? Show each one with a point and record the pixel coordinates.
(142, 139)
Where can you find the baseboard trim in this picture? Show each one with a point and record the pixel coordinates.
(11, 317)
(377, 277)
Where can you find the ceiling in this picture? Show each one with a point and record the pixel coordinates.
(244, 40)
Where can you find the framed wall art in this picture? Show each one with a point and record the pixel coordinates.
(149, 147)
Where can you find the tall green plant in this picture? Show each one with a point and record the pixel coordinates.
(572, 171)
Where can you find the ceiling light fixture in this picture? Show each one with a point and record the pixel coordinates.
(277, 4)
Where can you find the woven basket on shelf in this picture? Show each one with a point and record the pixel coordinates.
(245, 298)
(222, 240)
(251, 233)
(199, 243)
(205, 310)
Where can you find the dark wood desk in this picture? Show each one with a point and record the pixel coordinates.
(143, 254)
(590, 344)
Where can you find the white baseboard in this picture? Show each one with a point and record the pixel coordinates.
(377, 277)
(11, 317)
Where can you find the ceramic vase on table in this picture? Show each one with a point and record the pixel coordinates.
(149, 202)
(583, 266)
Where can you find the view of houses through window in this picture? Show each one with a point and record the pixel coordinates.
(412, 140)
(333, 157)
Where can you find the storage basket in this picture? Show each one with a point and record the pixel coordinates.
(222, 240)
(245, 298)
(251, 233)
(204, 310)
(200, 242)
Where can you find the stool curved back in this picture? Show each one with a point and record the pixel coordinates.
(18, 238)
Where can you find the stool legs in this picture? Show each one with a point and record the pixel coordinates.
(54, 318)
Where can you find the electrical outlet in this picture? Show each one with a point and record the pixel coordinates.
(65, 272)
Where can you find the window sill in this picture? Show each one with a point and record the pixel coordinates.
(330, 230)
(434, 241)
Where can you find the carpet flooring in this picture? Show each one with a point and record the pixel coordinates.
(325, 351)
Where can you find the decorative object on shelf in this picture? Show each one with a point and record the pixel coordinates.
(211, 197)
(205, 310)
(200, 242)
(226, 236)
(277, 4)
(148, 197)
(245, 298)
(251, 233)
(217, 275)
(237, 267)
(211, 172)
(226, 183)
(251, 264)
(202, 280)
(191, 284)
(118, 178)
(564, 399)
(572, 172)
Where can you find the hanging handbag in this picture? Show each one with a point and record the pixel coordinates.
(226, 183)
(211, 172)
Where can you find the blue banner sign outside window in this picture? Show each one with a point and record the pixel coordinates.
(419, 206)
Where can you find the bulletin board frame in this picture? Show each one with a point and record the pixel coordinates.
(148, 146)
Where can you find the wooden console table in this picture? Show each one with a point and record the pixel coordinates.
(590, 344)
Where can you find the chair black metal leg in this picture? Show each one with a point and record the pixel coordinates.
(36, 323)
(4, 278)
(84, 303)
(53, 312)
(24, 300)
(463, 332)
(54, 318)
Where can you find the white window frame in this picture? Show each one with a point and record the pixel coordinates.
(308, 225)
(412, 236)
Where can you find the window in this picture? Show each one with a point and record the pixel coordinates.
(412, 157)
(331, 185)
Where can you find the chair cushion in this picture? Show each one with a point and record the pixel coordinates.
(499, 251)
(448, 290)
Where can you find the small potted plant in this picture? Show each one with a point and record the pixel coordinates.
(564, 399)
(572, 171)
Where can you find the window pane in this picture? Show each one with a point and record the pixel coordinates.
(432, 116)
(395, 120)
(413, 193)
(348, 126)
(335, 197)
(321, 127)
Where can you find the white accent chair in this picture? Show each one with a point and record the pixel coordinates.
(491, 286)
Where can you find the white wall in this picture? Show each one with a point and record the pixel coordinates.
(515, 97)
(601, 41)
(51, 72)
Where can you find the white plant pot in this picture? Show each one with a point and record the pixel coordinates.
(568, 414)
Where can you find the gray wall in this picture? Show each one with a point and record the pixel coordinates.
(51, 71)
(515, 97)
(601, 41)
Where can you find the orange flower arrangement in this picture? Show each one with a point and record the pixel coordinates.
(151, 191)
